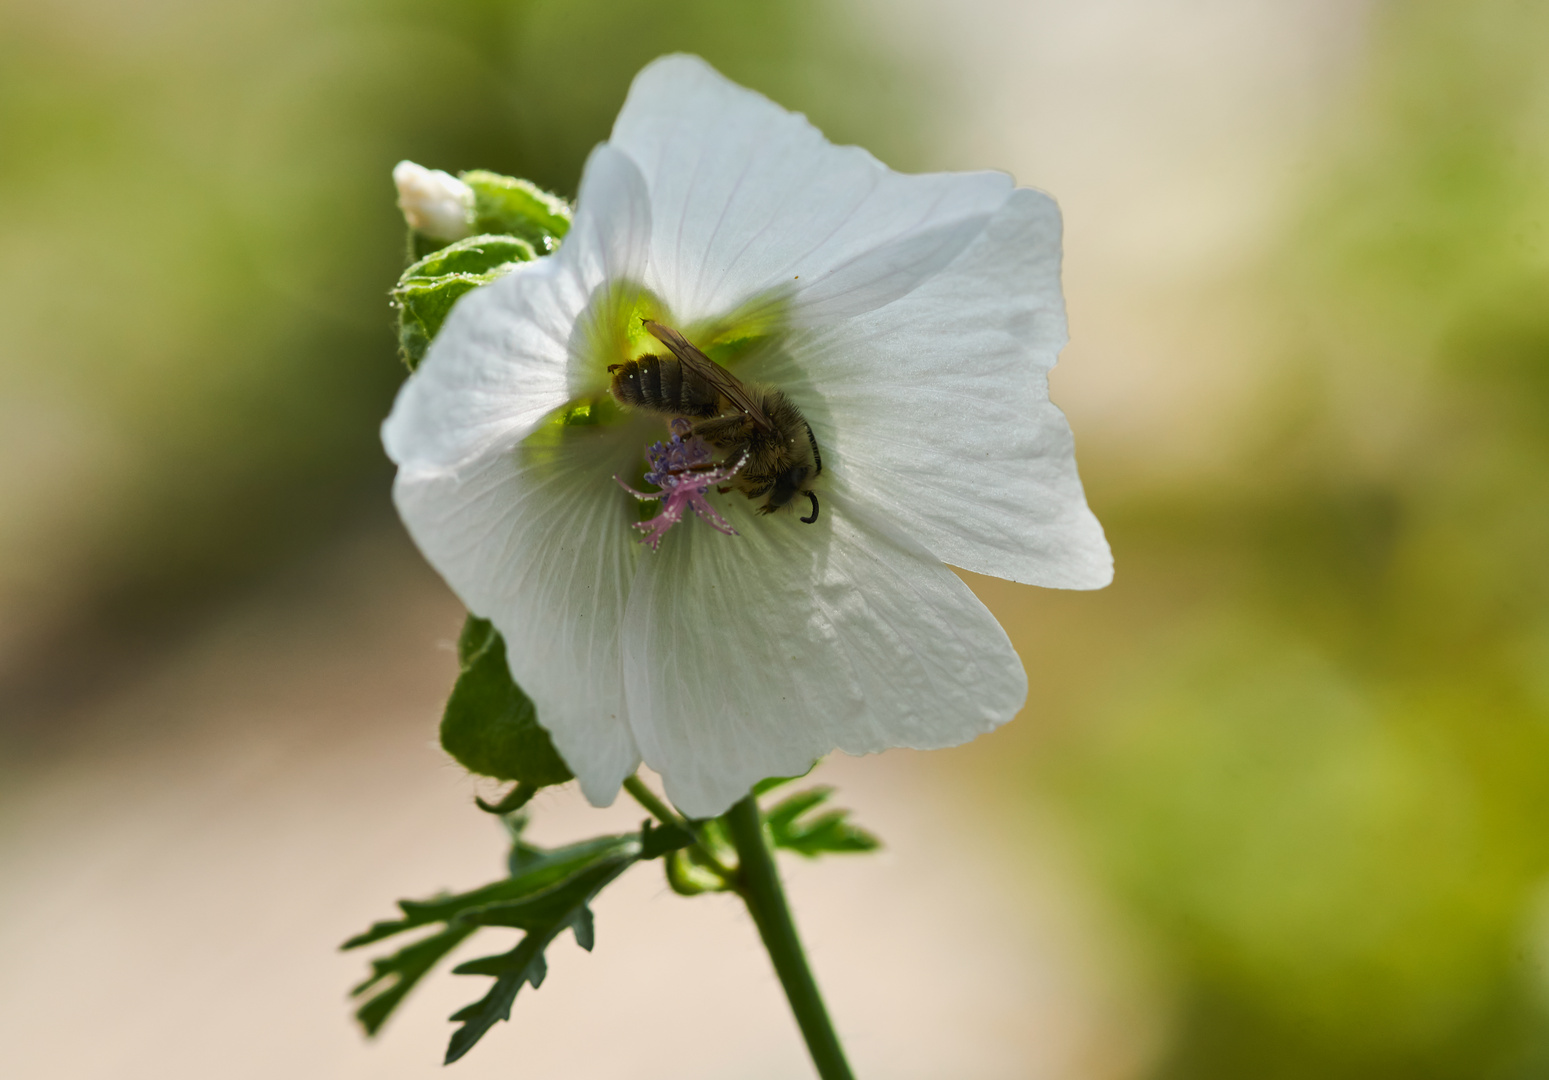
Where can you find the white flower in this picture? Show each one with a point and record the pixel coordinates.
(912, 319)
(434, 202)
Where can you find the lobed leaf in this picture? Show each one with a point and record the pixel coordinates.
(544, 916)
(537, 874)
(404, 969)
(827, 833)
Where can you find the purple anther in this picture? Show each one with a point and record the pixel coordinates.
(682, 469)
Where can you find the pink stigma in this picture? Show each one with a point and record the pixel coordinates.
(681, 468)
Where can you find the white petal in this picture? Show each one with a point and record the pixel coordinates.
(507, 354)
(754, 655)
(935, 410)
(538, 541)
(747, 197)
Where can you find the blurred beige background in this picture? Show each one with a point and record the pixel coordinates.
(1275, 808)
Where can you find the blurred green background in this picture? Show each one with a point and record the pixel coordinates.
(1299, 751)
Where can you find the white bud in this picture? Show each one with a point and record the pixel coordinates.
(433, 202)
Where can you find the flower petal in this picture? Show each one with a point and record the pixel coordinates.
(754, 655)
(538, 541)
(506, 356)
(747, 197)
(936, 409)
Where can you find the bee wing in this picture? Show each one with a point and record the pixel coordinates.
(724, 381)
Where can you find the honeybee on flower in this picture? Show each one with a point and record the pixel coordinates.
(884, 338)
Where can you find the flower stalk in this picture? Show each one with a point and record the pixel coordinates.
(759, 886)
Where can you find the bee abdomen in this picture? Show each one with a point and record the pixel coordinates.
(662, 385)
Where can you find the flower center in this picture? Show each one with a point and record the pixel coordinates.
(683, 471)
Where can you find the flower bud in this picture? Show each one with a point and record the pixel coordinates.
(434, 203)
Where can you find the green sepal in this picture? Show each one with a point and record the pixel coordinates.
(690, 872)
(503, 204)
(427, 290)
(826, 833)
(490, 726)
(472, 256)
(658, 840)
(688, 875)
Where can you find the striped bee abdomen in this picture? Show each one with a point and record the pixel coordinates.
(661, 384)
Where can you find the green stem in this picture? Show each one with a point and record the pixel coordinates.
(652, 802)
(658, 808)
(761, 891)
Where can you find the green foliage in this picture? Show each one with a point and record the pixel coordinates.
(548, 891)
(504, 204)
(490, 726)
(658, 840)
(427, 290)
(513, 800)
(792, 826)
(517, 222)
(704, 866)
(768, 784)
(544, 916)
(392, 977)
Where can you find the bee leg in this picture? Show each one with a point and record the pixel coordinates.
(724, 488)
(813, 519)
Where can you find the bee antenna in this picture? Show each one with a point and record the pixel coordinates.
(813, 496)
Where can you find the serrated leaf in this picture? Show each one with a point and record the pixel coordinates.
(402, 970)
(791, 827)
(783, 814)
(549, 892)
(490, 726)
(544, 917)
(537, 874)
(585, 929)
(830, 833)
(555, 903)
(427, 290)
(504, 204)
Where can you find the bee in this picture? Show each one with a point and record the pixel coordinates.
(760, 423)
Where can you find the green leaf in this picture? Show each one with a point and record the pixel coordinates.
(503, 204)
(427, 290)
(402, 970)
(542, 872)
(511, 802)
(544, 916)
(768, 784)
(826, 833)
(537, 874)
(555, 903)
(490, 726)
